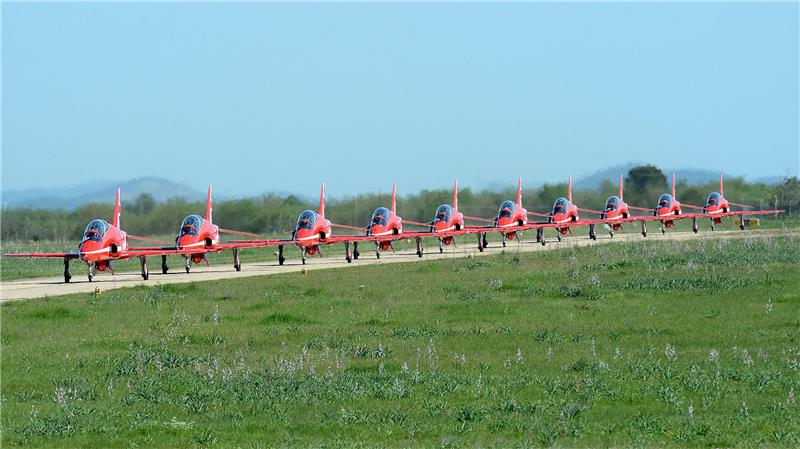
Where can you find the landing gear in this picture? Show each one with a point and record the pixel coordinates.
(419, 246)
(188, 265)
(281, 259)
(303, 255)
(481, 240)
(355, 251)
(741, 222)
(164, 266)
(558, 236)
(504, 240)
(237, 262)
(694, 225)
(441, 246)
(644, 228)
(663, 230)
(592, 233)
(67, 276)
(712, 225)
(145, 271)
(378, 252)
(92, 271)
(347, 256)
(485, 241)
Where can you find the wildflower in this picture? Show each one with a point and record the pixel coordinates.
(507, 363)
(60, 397)
(691, 411)
(459, 360)
(669, 351)
(595, 280)
(573, 260)
(518, 356)
(549, 353)
(404, 368)
(617, 353)
(380, 369)
(769, 306)
(215, 315)
(746, 359)
(496, 284)
(790, 399)
(713, 355)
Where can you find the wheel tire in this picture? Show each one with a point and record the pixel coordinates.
(187, 269)
(238, 267)
(281, 260)
(348, 259)
(378, 254)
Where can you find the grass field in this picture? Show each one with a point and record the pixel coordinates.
(647, 344)
(20, 268)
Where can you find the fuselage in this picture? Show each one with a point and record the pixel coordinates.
(310, 229)
(615, 209)
(563, 211)
(101, 242)
(510, 214)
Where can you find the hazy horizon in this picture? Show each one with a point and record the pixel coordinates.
(280, 97)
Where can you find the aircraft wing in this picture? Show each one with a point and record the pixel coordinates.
(58, 255)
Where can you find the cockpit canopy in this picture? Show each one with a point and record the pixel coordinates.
(95, 230)
(560, 206)
(665, 200)
(306, 219)
(714, 199)
(507, 208)
(381, 216)
(191, 225)
(443, 213)
(612, 204)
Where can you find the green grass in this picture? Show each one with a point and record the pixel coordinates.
(654, 344)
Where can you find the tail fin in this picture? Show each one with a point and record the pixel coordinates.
(209, 209)
(673, 185)
(455, 195)
(620, 187)
(394, 196)
(117, 212)
(519, 191)
(322, 200)
(569, 189)
(721, 192)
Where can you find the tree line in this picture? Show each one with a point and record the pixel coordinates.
(274, 214)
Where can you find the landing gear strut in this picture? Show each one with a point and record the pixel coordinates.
(67, 276)
(347, 256)
(419, 246)
(481, 237)
(145, 272)
(303, 255)
(441, 246)
(281, 259)
(237, 262)
(164, 266)
(644, 229)
(694, 225)
(741, 222)
(355, 251)
(91, 272)
(188, 265)
(592, 233)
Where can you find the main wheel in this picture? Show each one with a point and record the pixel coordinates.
(187, 269)
(281, 260)
(377, 254)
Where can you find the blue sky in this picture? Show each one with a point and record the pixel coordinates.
(265, 97)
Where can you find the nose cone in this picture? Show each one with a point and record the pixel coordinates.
(441, 226)
(304, 234)
(505, 221)
(93, 251)
(664, 210)
(378, 229)
(559, 216)
(188, 240)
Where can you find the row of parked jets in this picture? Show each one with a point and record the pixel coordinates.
(104, 241)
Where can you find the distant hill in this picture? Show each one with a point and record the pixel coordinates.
(71, 197)
(690, 175)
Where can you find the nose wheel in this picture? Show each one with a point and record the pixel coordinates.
(145, 271)
(441, 246)
(164, 266)
(92, 271)
(237, 262)
(281, 259)
(188, 265)
(419, 246)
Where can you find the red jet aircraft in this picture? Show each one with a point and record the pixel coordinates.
(447, 219)
(385, 225)
(615, 211)
(199, 236)
(102, 243)
(564, 211)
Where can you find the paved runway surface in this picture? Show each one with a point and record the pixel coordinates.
(54, 286)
